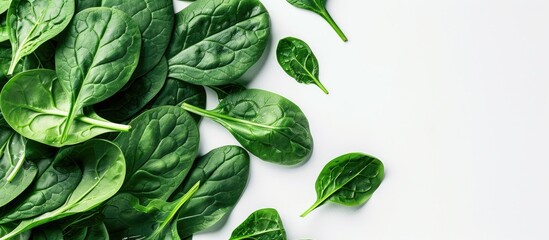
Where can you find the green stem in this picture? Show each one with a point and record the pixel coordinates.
(105, 124)
(315, 205)
(217, 116)
(319, 84)
(13, 63)
(334, 25)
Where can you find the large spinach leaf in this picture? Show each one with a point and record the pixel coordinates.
(223, 174)
(159, 152)
(50, 190)
(16, 174)
(130, 100)
(298, 61)
(263, 224)
(319, 7)
(103, 169)
(36, 106)
(350, 180)
(126, 217)
(155, 21)
(268, 125)
(216, 41)
(33, 22)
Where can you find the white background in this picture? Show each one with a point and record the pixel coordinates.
(453, 97)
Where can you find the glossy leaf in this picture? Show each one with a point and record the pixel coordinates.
(268, 125)
(126, 217)
(350, 180)
(319, 7)
(103, 167)
(217, 41)
(263, 224)
(159, 152)
(129, 101)
(36, 106)
(33, 22)
(298, 61)
(223, 174)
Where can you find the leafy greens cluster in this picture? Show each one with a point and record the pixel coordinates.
(100, 106)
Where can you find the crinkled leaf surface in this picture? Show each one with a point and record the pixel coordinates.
(159, 152)
(263, 224)
(217, 41)
(268, 125)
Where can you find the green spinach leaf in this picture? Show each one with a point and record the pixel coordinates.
(31, 23)
(36, 106)
(350, 180)
(103, 168)
(268, 125)
(155, 21)
(4, 5)
(319, 7)
(217, 41)
(159, 151)
(263, 224)
(298, 61)
(129, 101)
(223, 174)
(40, 58)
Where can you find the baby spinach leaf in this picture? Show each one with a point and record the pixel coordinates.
(159, 152)
(298, 61)
(36, 106)
(50, 190)
(223, 174)
(126, 217)
(16, 174)
(155, 21)
(129, 101)
(319, 7)
(4, 5)
(263, 224)
(175, 92)
(268, 125)
(103, 167)
(32, 23)
(350, 180)
(96, 59)
(224, 90)
(217, 41)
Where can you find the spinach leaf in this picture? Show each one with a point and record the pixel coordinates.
(126, 217)
(40, 58)
(223, 174)
(268, 125)
(175, 92)
(319, 7)
(32, 23)
(217, 41)
(129, 101)
(159, 152)
(224, 90)
(4, 5)
(103, 167)
(16, 174)
(350, 180)
(155, 21)
(298, 61)
(36, 106)
(50, 190)
(263, 224)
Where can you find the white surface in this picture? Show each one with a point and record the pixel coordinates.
(453, 97)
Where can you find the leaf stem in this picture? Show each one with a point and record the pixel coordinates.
(105, 124)
(217, 116)
(326, 15)
(315, 205)
(13, 63)
(319, 84)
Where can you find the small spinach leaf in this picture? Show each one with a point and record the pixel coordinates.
(298, 61)
(103, 168)
(155, 21)
(350, 180)
(159, 152)
(217, 41)
(268, 125)
(223, 174)
(129, 101)
(31, 23)
(319, 7)
(263, 224)
(37, 107)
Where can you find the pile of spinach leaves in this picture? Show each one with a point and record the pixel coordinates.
(100, 106)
